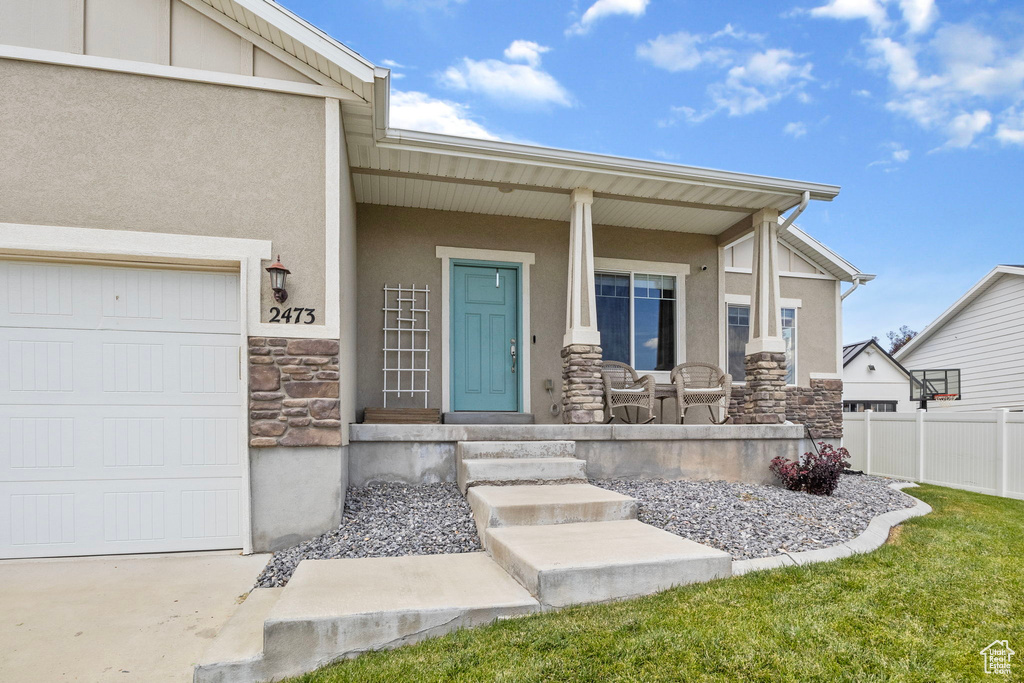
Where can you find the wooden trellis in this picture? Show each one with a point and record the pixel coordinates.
(406, 342)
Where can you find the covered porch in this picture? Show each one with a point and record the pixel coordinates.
(559, 228)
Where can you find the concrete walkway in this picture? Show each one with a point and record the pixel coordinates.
(123, 618)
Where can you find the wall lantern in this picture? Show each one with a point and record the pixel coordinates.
(277, 275)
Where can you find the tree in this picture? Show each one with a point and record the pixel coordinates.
(899, 338)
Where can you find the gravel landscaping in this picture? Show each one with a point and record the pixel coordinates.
(745, 520)
(748, 520)
(386, 520)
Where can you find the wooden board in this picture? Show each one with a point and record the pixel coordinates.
(402, 416)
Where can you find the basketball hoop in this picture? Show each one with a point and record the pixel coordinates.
(945, 399)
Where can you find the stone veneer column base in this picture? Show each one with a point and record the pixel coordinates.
(766, 389)
(819, 407)
(582, 387)
(293, 392)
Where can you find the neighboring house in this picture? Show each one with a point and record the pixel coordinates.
(982, 335)
(156, 156)
(874, 380)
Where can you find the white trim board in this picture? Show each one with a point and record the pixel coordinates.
(28, 54)
(525, 259)
(806, 276)
(680, 271)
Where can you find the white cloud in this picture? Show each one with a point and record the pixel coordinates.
(797, 129)
(1011, 128)
(962, 130)
(900, 155)
(391, 64)
(525, 51)
(952, 81)
(509, 84)
(870, 10)
(413, 110)
(676, 52)
(862, 93)
(606, 8)
(754, 79)
(919, 14)
(651, 343)
(897, 154)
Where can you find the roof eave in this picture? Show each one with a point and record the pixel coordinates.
(586, 161)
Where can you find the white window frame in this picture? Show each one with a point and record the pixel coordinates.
(631, 267)
(744, 300)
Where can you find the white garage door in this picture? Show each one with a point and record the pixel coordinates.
(120, 410)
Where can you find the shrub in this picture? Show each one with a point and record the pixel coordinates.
(816, 473)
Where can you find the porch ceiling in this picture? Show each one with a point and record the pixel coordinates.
(422, 170)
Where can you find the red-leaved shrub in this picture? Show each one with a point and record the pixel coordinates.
(816, 473)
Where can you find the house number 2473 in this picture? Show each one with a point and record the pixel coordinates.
(306, 316)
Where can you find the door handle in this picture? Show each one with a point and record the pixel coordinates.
(512, 352)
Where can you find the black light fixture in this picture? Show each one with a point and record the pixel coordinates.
(277, 276)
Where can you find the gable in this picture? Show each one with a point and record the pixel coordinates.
(180, 33)
(741, 255)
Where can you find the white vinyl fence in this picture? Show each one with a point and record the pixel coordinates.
(977, 451)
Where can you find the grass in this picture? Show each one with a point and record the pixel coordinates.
(918, 609)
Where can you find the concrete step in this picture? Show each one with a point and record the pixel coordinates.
(523, 505)
(571, 564)
(467, 450)
(485, 418)
(486, 471)
(236, 653)
(335, 609)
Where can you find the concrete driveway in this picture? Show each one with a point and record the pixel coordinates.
(123, 618)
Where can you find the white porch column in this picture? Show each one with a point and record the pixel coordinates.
(580, 305)
(765, 312)
(766, 351)
(582, 388)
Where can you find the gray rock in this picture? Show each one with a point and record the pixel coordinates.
(386, 520)
(750, 521)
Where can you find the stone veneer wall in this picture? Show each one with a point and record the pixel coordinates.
(582, 386)
(293, 392)
(765, 396)
(819, 407)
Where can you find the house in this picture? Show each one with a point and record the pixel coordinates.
(982, 335)
(160, 394)
(874, 380)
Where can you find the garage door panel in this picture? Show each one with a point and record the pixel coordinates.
(119, 442)
(122, 420)
(115, 517)
(58, 366)
(48, 296)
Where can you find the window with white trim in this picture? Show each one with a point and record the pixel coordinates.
(738, 334)
(636, 316)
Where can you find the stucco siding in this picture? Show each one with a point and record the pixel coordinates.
(398, 245)
(816, 342)
(986, 341)
(107, 150)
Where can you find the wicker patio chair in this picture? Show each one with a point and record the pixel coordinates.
(624, 388)
(702, 384)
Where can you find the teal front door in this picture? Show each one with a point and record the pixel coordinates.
(485, 337)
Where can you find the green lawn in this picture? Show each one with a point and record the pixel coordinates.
(918, 609)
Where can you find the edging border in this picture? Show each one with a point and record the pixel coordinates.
(871, 539)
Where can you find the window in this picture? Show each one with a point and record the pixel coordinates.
(876, 406)
(636, 316)
(738, 335)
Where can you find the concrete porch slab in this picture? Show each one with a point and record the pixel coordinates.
(570, 564)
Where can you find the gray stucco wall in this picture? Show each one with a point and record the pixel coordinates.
(397, 245)
(297, 493)
(816, 341)
(97, 149)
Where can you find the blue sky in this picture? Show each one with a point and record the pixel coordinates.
(914, 107)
